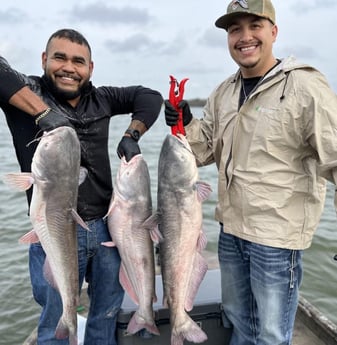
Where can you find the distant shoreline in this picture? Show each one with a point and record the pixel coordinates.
(196, 102)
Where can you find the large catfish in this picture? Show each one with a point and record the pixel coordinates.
(55, 177)
(133, 234)
(180, 196)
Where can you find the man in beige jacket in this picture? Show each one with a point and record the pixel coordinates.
(271, 130)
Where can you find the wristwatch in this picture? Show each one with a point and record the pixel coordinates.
(135, 134)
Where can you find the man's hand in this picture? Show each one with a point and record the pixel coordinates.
(128, 147)
(171, 115)
(50, 119)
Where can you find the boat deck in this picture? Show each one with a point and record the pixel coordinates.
(311, 327)
(305, 336)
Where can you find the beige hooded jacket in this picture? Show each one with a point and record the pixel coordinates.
(271, 154)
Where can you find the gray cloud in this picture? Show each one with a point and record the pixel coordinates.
(214, 38)
(137, 43)
(176, 47)
(302, 7)
(12, 15)
(301, 52)
(100, 13)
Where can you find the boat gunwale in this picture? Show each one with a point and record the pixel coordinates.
(315, 320)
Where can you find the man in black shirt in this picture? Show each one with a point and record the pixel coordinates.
(64, 96)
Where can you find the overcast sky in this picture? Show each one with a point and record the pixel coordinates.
(144, 41)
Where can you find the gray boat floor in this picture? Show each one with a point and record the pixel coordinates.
(311, 326)
(304, 333)
(304, 336)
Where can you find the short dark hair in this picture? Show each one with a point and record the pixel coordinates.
(71, 35)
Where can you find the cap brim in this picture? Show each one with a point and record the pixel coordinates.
(227, 19)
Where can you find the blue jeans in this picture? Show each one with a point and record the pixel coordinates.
(99, 266)
(260, 287)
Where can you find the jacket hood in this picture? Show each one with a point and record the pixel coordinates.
(286, 65)
(289, 64)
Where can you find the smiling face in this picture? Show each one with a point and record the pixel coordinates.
(68, 67)
(250, 42)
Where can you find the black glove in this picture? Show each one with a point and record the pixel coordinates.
(171, 115)
(50, 119)
(128, 147)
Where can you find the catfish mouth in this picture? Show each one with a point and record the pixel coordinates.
(126, 166)
(183, 141)
(125, 176)
(135, 158)
(53, 137)
(58, 129)
(56, 133)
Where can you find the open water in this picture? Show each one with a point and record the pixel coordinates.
(19, 312)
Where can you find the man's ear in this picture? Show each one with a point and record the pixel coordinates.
(44, 60)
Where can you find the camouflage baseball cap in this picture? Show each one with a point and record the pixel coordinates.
(260, 8)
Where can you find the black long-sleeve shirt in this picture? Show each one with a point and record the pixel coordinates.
(90, 119)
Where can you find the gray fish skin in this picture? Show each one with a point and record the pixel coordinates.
(180, 197)
(55, 175)
(130, 229)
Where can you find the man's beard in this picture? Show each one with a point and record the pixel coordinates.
(64, 94)
(250, 65)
